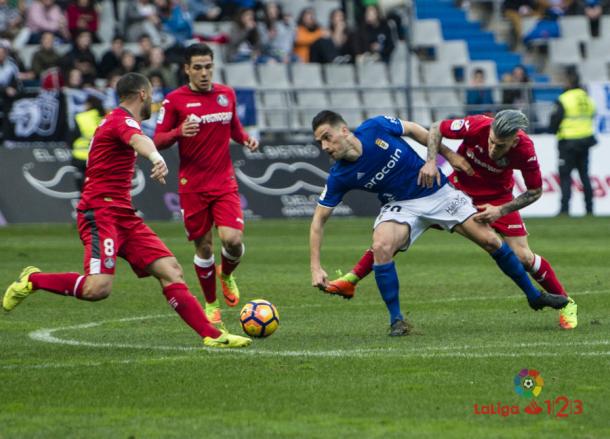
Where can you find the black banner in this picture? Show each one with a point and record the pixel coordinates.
(281, 180)
(34, 117)
(284, 179)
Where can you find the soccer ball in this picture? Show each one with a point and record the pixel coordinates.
(259, 318)
(528, 383)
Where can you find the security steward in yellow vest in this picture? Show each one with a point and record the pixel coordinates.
(86, 123)
(572, 121)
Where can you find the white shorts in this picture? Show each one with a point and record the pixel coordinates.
(446, 208)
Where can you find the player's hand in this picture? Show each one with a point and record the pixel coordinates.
(460, 163)
(251, 144)
(159, 171)
(319, 279)
(487, 214)
(189, 128)
(428, 174)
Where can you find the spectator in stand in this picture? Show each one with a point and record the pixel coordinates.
(142, 17)
(204, 10)
(514, 11)
(344, 39)
(158, 66)
(308, 32)
(128, 62)
(112, 58)
(46, 57)
(176, 20)
(74, 79)
(377, 39)
(244, 39)
(10, 20)
(593, 11)
(517, 97)
(478, 95)
(145, 45)
(83, 16)
(276, 33)
(81, 57)
(230, 8)
(10, 84)
(328, 49)
(46, 16)
(111, 99)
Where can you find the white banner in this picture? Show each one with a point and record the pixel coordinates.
(549, 203)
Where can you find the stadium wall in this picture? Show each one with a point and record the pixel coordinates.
(282, 180)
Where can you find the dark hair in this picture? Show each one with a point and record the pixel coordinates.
(95, 103)
(197, 49)
(130, 84)
(572, 78)
(329, 117)
(478, 71)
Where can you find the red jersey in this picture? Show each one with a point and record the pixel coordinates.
(205, 161)
(111, 162)
(491, 179)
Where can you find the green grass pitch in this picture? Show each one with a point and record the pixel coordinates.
(128, 367)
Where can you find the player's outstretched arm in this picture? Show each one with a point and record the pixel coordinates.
(319, 278)
(145, 147)
(489, 213)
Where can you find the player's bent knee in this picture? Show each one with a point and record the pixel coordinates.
(383, 252)
(490, 242)
(96, 292)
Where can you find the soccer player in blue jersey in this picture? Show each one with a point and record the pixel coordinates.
(414, 195)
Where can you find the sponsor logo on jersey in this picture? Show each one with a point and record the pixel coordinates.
(132, 123)
(381, 143)
(193, 104)
(455, 205)
(384, 170)
(222, 100)
(532, 159)
(211, 118)
(471, 156)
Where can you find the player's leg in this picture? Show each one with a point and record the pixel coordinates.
(388, 238)
(229, 219)
(198, 221)
(345, 285)
(543, 273)
(508, 262)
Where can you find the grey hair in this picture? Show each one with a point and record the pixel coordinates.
(508, 122)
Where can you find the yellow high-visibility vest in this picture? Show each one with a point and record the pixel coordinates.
(87, 122)
(579, 110)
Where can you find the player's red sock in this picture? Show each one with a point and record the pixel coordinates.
(543, 273)
(206, 273)
(185, 304)
(365, 265)
(66, 284)
(230, 263)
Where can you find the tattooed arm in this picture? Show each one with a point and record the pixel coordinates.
(488, 213)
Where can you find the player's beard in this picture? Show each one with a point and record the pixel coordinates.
(146, 111)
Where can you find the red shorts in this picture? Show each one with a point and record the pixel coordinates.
(110, 232)
(200, 211)
(510, 224)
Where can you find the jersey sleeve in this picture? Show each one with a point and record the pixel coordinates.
(237, 130)
(332, 194)
(390, 124)
(127, 128)
(166, 132)
(530, 168)
(460, 128)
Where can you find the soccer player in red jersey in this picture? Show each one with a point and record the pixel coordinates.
(202, 118)
(109, 227)
(493, 155)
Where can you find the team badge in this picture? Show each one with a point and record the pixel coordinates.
(502, 161)
(183, 181)
(222, 100)
(109, 263)
(381, 143)
(457, 124)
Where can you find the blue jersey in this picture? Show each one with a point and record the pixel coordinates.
(388, 166)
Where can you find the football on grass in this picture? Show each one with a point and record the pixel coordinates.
(259, 318)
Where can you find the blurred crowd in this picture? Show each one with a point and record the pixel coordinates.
(149, 37)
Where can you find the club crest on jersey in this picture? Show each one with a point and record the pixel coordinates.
(381, 143)
(457, 124)
(222, 100)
